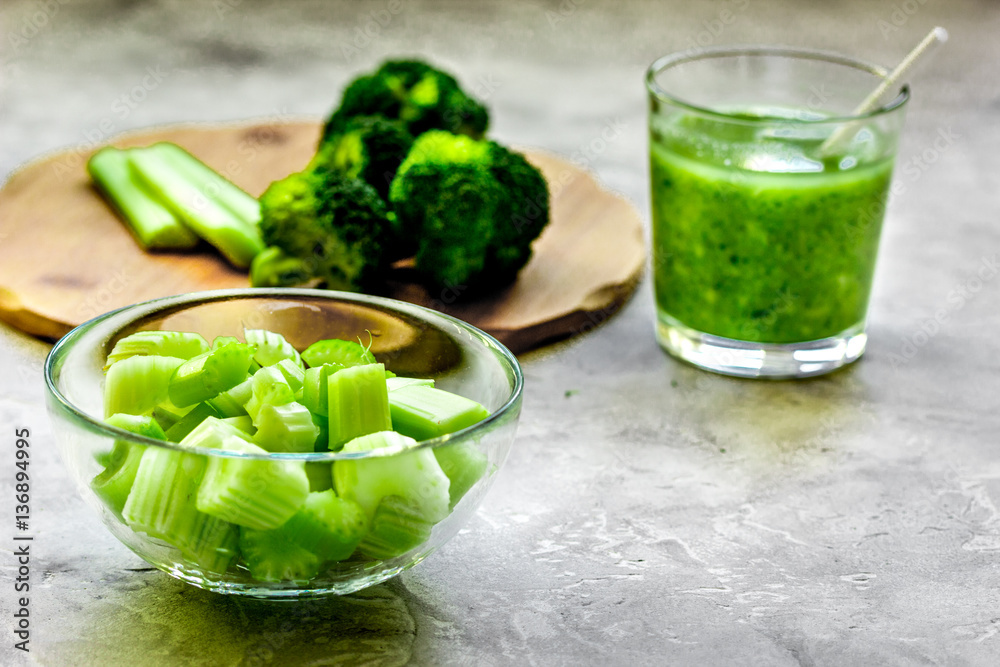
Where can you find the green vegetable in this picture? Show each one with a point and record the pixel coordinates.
(394, 383)
(136, 385)
(236, 237)
(179, 344)
(396, 528)
(369, 148)
(113, 484)
(358, 403)
(328, 526)
(285, 428)
(192, 419)
(469, 210)
(209, 374)
(425, 412)
(464, 465)
(415, 93)
(271, 347)
(343, 353)
(271, 556)
(269, 387)
(153, 224)
(330, 229)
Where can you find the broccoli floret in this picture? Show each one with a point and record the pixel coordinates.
(327, 228)
(367, 147)
(421, 96)
(469, 211)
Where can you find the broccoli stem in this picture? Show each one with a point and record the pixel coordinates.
(152, 223)
(194, 203)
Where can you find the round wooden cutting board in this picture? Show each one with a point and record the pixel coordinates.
(65, 256)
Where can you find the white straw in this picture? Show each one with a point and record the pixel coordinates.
(870, 103)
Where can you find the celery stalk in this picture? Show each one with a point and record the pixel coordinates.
(358, 403)
(209, 374)
(136, 385)
(425, 412)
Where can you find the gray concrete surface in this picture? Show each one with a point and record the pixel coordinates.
(649, 513)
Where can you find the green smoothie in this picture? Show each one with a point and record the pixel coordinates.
(755, 238)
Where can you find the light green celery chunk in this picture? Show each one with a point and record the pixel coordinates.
(136, 385)
(358, 403)
(212, 433)
(271, 347)
(269, 388)
(394, 383)
(243, 423)
(237, 238)
(221, 341)
(152, 223)
(188, 422)
(425, 412)
(464, 464)
(179, 344)
(414, 476)
(294, 375)
(320, 476)
(396, 528)
(113, 484)
(314, 388)
(167, 414)
(162, 505)
(209, 374)
(212, 183)
(271, 556)
(254, 493)
(232, 402)
(285, 428)
(323, 439)
(344, 353)
(328, 526)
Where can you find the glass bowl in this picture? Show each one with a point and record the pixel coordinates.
(410, 340)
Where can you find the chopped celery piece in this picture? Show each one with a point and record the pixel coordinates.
(162, 505)
(136, 385)
(394, 383)
(271, 556)
(209, 374)
(285, 428)
(414, 476)
(243, 423)
(237, 238)
(113, 484)
(464, 464)
(396, 528)
(153, 224)
(211, 182)
(294, 375)
(314, 388)
(179, 344)
(344, 353)
(269, 388)
(323, 438)
(253, 493)
(358, 403)
(271, 347)
(167, 414)
(232, 402)
(188, 422)
(425, 412)
(221, 341)
(320, 476)
(328, 526)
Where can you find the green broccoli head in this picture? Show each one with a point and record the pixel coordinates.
(367, 147)
(469, 210)
(327, 227)
(415, 93)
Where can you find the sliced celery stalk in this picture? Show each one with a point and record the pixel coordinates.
(271, 347)
(320, 476)
(285, 428)
(425, 412)
(269, 388)
(294, 375)
(271, 556)
(358, 403)
(414, 476)
(396, 528)
(136, 385)
(243, 423)
(188, 422)
(253, 493)
(328, 526)
(464, 464)
(394, 383)
(237, 238)
(213, 184)
(232, 402)
(344, 353)
(179, 344)
(153, 224)
(314, 388)
(209, 374)
(113, 484)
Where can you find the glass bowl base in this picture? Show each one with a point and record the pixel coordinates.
(775, 361)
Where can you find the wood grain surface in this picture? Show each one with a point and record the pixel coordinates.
(65, 257)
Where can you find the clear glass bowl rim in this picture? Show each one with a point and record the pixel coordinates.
(143, 309)
(692, 55)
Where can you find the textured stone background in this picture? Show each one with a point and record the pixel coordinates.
(649, 513)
